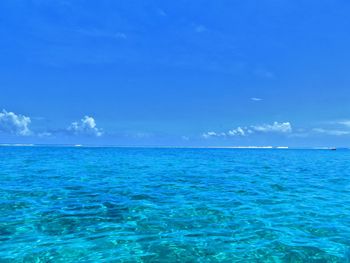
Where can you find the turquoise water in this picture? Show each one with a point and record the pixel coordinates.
(173, 205)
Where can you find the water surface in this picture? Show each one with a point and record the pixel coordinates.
(173, 205)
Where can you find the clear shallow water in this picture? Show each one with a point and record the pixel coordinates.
(174, 205)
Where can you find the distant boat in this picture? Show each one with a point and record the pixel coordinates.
(333, 149)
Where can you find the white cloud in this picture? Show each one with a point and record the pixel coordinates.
(345, 123)
(209, 134)
(331, 132)
(256, 99)
(283, 127)
(333, 128)
(14, 124)
(276, 127)
(87, 126)
(237, 132)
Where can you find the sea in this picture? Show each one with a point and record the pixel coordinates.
(109, 204)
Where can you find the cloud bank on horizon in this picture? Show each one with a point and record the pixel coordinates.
(19, 125)
(276, 127)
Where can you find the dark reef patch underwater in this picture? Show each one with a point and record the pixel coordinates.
(61, 204)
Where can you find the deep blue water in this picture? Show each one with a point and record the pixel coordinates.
(173, 205)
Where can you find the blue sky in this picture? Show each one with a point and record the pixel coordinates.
(177, 73)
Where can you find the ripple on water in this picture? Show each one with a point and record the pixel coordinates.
(172, 205)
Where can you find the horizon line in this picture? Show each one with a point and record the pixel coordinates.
(170, 146)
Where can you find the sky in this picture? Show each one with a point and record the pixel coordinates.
(175, 73)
